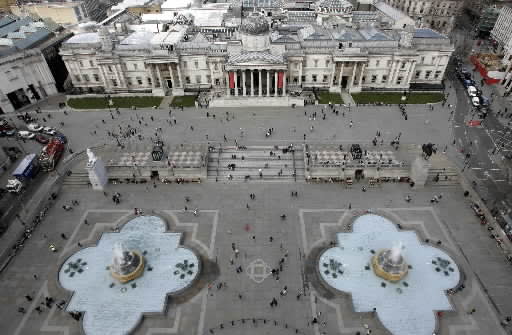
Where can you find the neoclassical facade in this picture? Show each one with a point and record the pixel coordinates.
(258, 55)
(436, 14)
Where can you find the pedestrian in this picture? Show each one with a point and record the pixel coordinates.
(28, 297)
(64, 237)
(38, 309)
(21, 310)
(237, 252)
(271, 239)
(35, 276)
(349, 205)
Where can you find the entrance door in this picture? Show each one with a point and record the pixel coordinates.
(154, 174)
(169, 83)
(344, 81)
(359, 174)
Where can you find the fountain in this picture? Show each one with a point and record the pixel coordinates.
(389, 264)
(127, 265)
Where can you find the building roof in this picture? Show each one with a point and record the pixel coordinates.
(23, 34)
(372, 34)
(347, 34)
(137, 40)
(427, 33)
(175, 4)
(84, 38)
(392, 12)
(334, 4)
(256, 57)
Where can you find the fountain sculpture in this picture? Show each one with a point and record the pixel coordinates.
(127, 265)
(389, 264)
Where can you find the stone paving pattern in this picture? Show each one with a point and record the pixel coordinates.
(312, 220)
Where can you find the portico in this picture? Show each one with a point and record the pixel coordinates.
(348, 74)
(165, 76)
(256, 82)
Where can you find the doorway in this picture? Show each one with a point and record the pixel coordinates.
(169, 83)
(359, 174)
(344, 81)
(154, 174)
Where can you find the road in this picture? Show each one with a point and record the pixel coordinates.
(492, 183)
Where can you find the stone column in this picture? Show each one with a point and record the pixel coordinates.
(300, 73)
(361, 75)
(333, 72)
(211, 75)
(268, 83)
(172, 75)
(236, 83)
(259, 83)
(244, 90)
(411, 69)
(159, 76)
(120, 76)
(179, 75)
(353, 75)
(284, 83)
(275, 83)
(152, 75)
(391, 72)
(252, 82)
(228, 90)
(341, 73)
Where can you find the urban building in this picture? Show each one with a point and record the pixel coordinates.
(26, 50)
(502, 34)
(60, 12)
(435, 14)
(488, 20)
(207, 48)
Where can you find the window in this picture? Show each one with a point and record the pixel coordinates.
(215, 66)
(91, 63)
(340, 46)
(149, 81)
(96, 77)
(135, 66)
(316, 62)
(81, 63)
(377, 63)
(422, 60)
(198, 79)
(314, 78)
(114, 82)
(437, 74)
(208, 78)
(402, 65)
(418, 74)
(86, 78)
(399, 80)
(184, 65)
(109, 68)
(374, 79)
(77, 78)
(295, 80)
(129, 81)
(196, 64)
(427, 74)
(303, 78)
(327, 63)
(187, 80)
(389, 63)
(325, 78)
(139, 80)
(384, 78)
(350, 44)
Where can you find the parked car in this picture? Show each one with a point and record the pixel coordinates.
(26, 134)
(7, 131)
(484, 101)
(472, 91)
(464, 74)
(49, 131)
(475, 101)
(34, 127)
(468, 82)
(41, 139)
(61, 137)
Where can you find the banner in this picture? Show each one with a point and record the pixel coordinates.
(231, 80)
(280, 79)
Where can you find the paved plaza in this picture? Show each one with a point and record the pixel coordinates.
(312, 220)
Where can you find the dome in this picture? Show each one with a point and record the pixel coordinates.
(255, 24)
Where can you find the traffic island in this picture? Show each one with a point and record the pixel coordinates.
(396, 98)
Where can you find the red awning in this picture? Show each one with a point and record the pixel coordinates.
(280, 79)
(231, 80)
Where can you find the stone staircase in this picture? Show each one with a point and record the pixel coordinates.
(448, 172)
(78, 178)
(281, 167)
